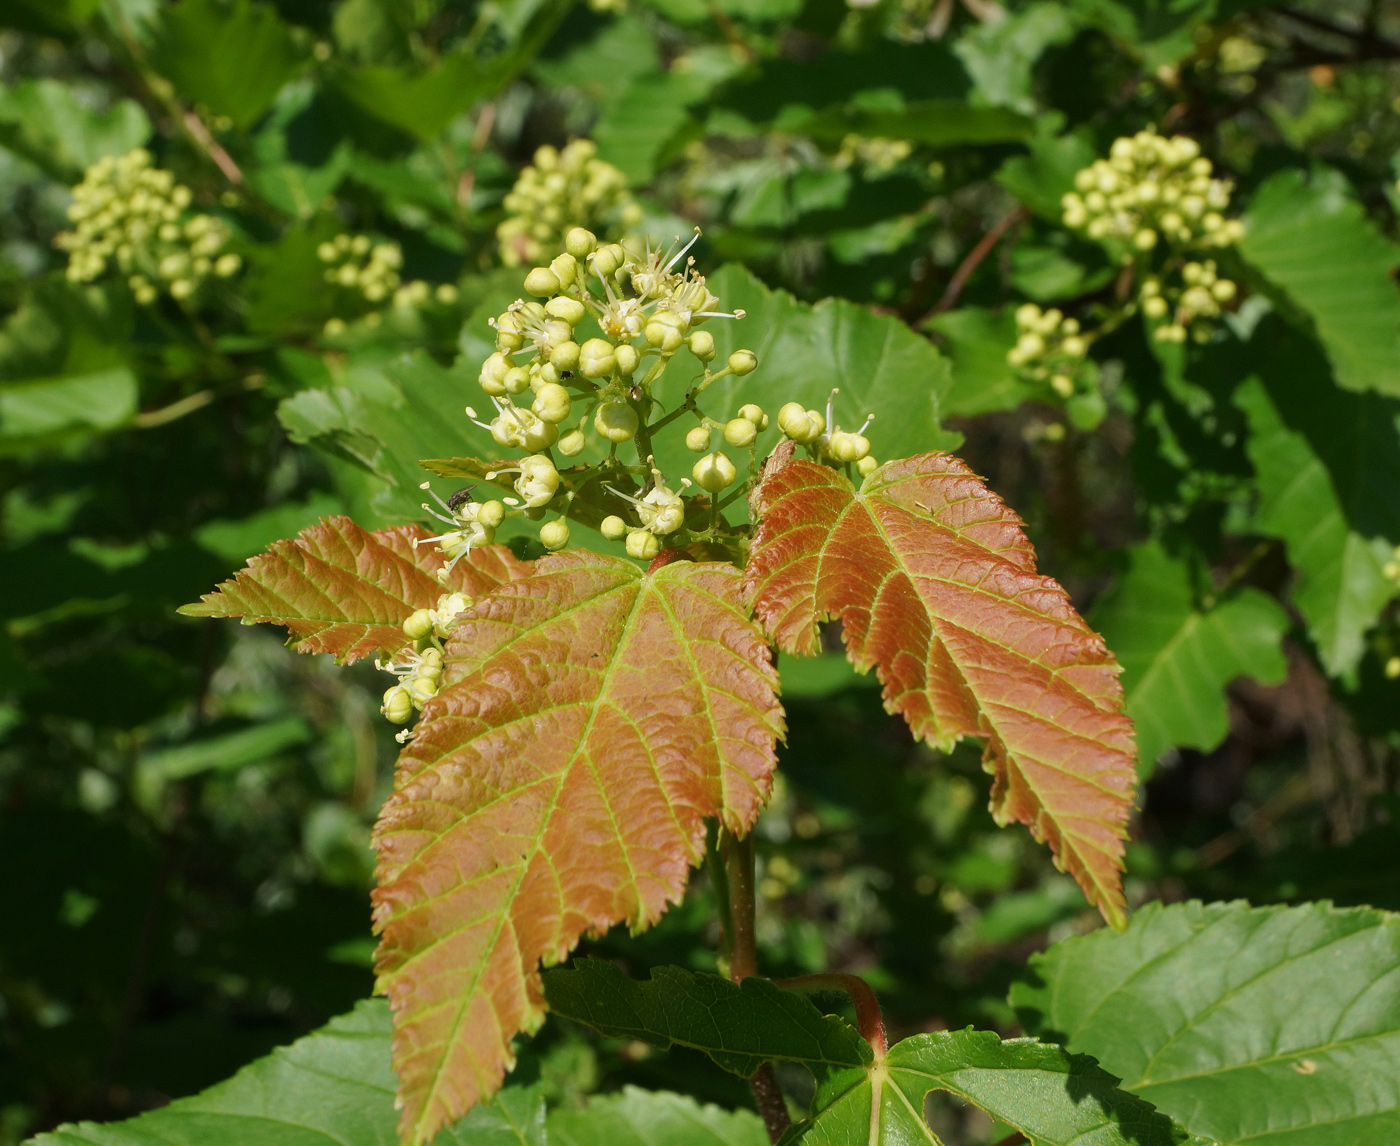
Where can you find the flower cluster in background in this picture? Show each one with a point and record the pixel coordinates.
(563, 189)
(134, 216)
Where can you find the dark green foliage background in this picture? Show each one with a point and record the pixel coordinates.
(184, 807)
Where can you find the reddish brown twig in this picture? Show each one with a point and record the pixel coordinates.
(974, 259)
(869, 1021)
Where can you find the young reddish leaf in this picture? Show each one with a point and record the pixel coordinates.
(343, 590)
(590, 719)
(935, 585)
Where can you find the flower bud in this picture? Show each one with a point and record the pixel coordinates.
(1062, 384)
(702, 345)
(517, 380)
(1074, 346)
(565, 269)
(491, 514)
(597, 358)
(666, 331)
(616, 421)
(538, 435)
(754, 414)
(565, 309)
(740, 432)
(847, 448)
(543, 373)
(398, 705)
(713, 472)
(606, 260)
(1154, 307)
(642, 545)
(628, 358)
(800, 425)
(418, 625)
(493, 374)
(1145, 239)
(698, 440)
(580, 242)
(542, 282)
(1223, 290)
(743, 362)
(867, 466)
(552, 403)
(564, 356)
(571, 444)
(554, 535)
(613, 528)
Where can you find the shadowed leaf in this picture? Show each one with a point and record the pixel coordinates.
(739, 1025)
(935, 585)
(591, 718)
(1268, 1025)
(343, 590)
(1052, 1097)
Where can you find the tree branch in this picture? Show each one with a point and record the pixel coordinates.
(974, 259)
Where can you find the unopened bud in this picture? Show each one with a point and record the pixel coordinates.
(418, 625)
(713, 472)
(555, 534)
(755, 415)
(552, 403)
(743, 362)
(847, 448)
(565, 309)
(799, 424)
(571, 444)
(616, 421)
(867, 466)
(606, 260)
(493, 375)
(1062, 384)
(740, 432)
(517, 380)
(542, 282)
(597, 358)
(580, 243)
(613, 528)
(565, 269)
(628, 358)
(564, 356)
(491, 514)
(398, 705)
(642, 544)
(698, 440)
(702, 345)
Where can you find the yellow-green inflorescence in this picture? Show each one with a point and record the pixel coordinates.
(555, 391)
(562, 189)
(133, 217)
(1156, 204)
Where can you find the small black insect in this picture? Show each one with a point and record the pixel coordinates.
(460, 498)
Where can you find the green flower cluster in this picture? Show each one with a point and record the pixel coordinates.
(358, 263)
(1197, 294)
(875, 154)
(1049, 347)
(128, 213)
(1152, 188)
(574, 390)
(562, 189)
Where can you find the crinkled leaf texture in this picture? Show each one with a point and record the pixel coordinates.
(1276, 1026)
(1052, 1097)
(592, 717)
(343, 590)
(739, 1025)
(935, 585)
(335, 1087)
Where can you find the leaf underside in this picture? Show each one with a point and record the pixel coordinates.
(935, 585)
(347, 591)
(740, 1026)
(1052, 1097)
(1276, 1026)
(591, 718)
